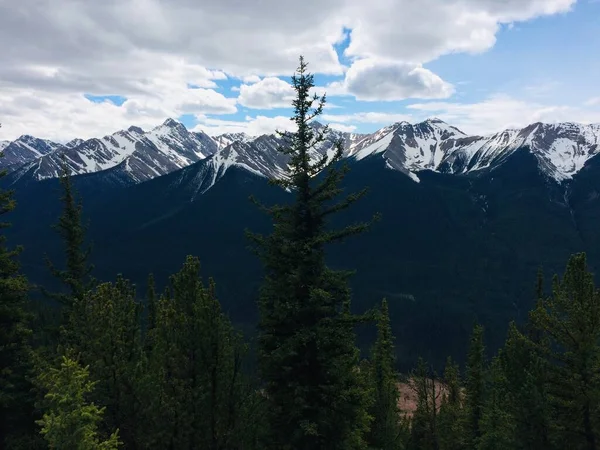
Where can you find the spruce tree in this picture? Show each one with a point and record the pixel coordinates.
(569, 323)
(76, 275)
(451, 422)
(16, 403)
(385, 429)
(105, 331)
(424, 432)
(151, 300)
(497, 424)
(307, 353)
(475, 388)
(196, 394)
(525, 383)
(70, 420)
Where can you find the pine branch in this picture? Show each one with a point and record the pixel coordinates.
(349, 200)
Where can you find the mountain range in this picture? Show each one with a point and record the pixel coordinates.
(466, 220)
(136, 155)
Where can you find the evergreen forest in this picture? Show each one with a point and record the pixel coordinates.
(101, 364)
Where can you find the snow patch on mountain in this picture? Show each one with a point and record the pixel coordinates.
(24, 150)
(74, 143)
(226, 139)
(561, 149)
(138, 154)
(379, 143)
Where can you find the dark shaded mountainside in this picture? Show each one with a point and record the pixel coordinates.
(449, 250)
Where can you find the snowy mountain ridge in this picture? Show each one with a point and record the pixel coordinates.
(562, 149)
(139, 154)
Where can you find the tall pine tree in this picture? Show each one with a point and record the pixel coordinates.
(496, 425)
(451, 422)
(525, 384)
(196, 395)
(424, 432)
(475, 388)
(104, 329)
(569, 324)
(70, 420)
(307, 352)
(16, 403)
(385, 430)
(76, 276)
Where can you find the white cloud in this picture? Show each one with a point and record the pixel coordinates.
(268, 93)
(63, 116)
(500, 112)
(543, 88)
(251, 79)
(273, 92)
(378, 80)
(421, 31)
(253, 126)
(594, 100)
(368, 117)
(249, 38)
(150, 50)
(342, 127)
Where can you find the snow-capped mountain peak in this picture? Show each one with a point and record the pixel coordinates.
(410, 147)
(24, 150)
(74, 143)
(139, 155)
(135, 130)
(223, 140)
(562, 149)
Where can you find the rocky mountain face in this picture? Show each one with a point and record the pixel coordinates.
(561, 150)
(224, 140)
(466, 220)
(24, 150)
(137, 155)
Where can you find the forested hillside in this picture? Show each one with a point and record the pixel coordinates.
(254, 341)
(449, 250)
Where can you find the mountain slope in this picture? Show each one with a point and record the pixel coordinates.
(226, 139)
(24, 150)
(449, 249)
(135, 154)
(560, 149)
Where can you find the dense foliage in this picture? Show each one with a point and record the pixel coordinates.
(108, 367)
(317, 399)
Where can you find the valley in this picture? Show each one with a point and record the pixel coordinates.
(466, 221)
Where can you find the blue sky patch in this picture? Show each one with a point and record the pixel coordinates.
(115, 99)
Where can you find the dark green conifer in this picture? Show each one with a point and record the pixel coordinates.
(569, 322)
(475, 388)
(196, 394)
(16, 403)
(424, 432)
(451, 421)
(385, 430)
(70, 420)
(105, 332)
(496, 425)
(151, 300)
(525, 384)
(76, 275)
(307, 352)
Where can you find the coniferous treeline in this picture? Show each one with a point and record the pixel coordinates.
(107, 367)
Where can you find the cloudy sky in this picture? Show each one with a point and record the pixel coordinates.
(84, 68)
